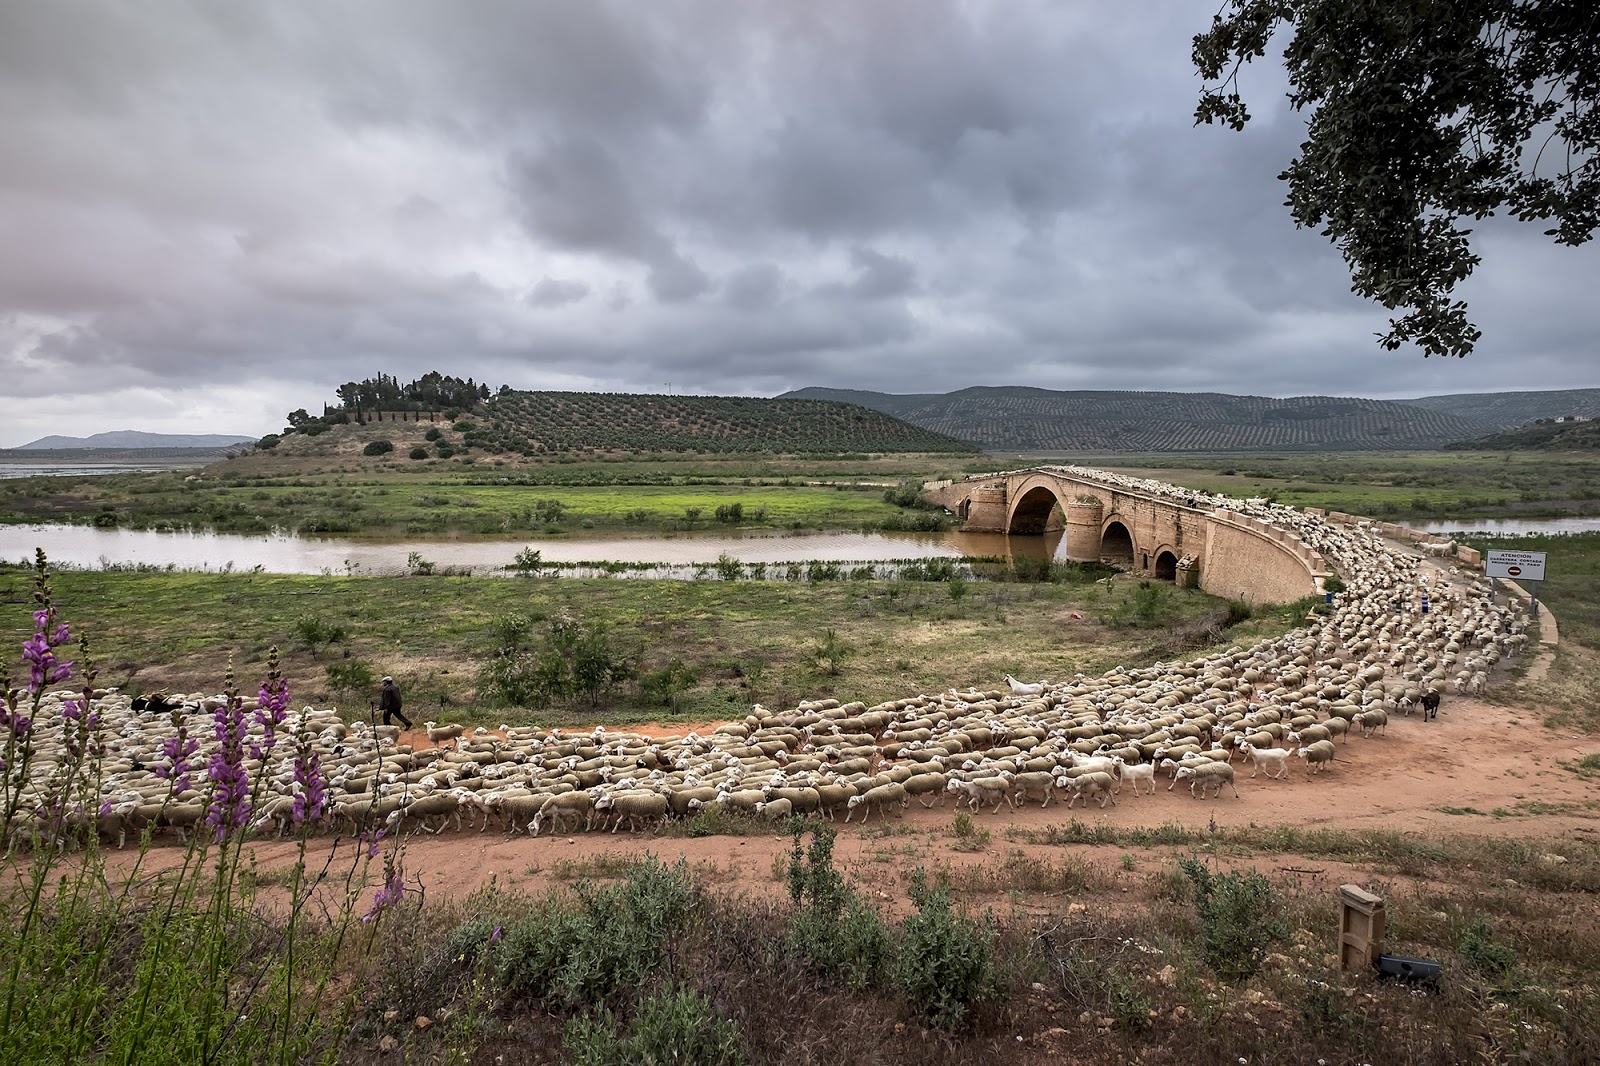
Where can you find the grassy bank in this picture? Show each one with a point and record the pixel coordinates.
(261, 492)
(723, 645)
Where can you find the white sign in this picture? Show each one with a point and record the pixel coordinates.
(1529, 566)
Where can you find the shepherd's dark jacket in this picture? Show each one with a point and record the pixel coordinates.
(389, 698)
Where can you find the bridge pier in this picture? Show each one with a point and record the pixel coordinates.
(1085, 514)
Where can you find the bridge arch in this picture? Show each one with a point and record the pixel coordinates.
(1038, 509)
(1116, 544)
(1164, 564)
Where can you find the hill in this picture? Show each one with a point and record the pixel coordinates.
(1020, 418)
(1507, 410)
(563, 421)
(1544, 436)
(131, 438)
(543, 423)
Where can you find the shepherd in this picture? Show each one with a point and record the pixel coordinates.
(389, 702)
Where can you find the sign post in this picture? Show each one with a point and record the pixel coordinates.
(1519, 565)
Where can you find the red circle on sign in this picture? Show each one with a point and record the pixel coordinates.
(1513, 570)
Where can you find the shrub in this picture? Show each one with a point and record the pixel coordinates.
(608, 938)
(315, 630)
(1483, 952)
(664, 686)
(314, 429)
(833, 929)
(349, 676)
(945, 966)
(268, 442)
(730, 513)
(1237, 916)
(1333, 583)
(419, 453)
(433, 433)
(673, 1025)
(378, 447)
(830, 652)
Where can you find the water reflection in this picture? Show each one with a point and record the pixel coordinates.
(285, 554)
(1589, 524)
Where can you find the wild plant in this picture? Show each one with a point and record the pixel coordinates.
(177, 964)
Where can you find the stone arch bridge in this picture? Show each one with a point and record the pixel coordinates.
(1174, 539)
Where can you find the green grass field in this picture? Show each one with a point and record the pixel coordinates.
(330, 494)
(742, 642)
(1389, 485)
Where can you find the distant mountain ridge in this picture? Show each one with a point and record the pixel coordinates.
(1508, 410)
(1020, 417)
(132, 438)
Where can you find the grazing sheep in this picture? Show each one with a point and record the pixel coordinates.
(633, 806)
(1206, 777)
(1374, 721)
(1317, 755)
(777, 810)
(437, 733)
(1088, 786)
(880, 797)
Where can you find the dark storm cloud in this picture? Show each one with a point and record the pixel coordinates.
(227, 209)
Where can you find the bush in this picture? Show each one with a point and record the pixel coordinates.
(419, 453)
(1483, 952)
(578, 659)
(268, 442)
(378, 447)
(1236, 916)
(674, 1025)
(432, 434)
(663, 687)
(1333, 583)
(607, 939)
(836, 932)
(349, 676)
(315, 630)
(946, 962)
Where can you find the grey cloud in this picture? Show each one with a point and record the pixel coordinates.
(756, 287)
(910, 195)
(557, 292)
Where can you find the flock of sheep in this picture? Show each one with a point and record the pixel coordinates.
(1374, 655)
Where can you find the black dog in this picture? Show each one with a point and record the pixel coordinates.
(1430, 704)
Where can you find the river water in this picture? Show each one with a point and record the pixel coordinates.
(673, 555)
(1516, 526)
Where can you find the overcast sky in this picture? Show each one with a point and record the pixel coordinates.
(212, 213)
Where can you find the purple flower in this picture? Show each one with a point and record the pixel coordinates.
(372, 840)
(394, 887)
(494, 937)
(272, 706)
(311, 793)
(229, 807)
(176, 750)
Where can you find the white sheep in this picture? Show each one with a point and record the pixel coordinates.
(1020, 689)
(1268, 759)
(1137, 772)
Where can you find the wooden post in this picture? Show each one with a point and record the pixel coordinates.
(1361, 927)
